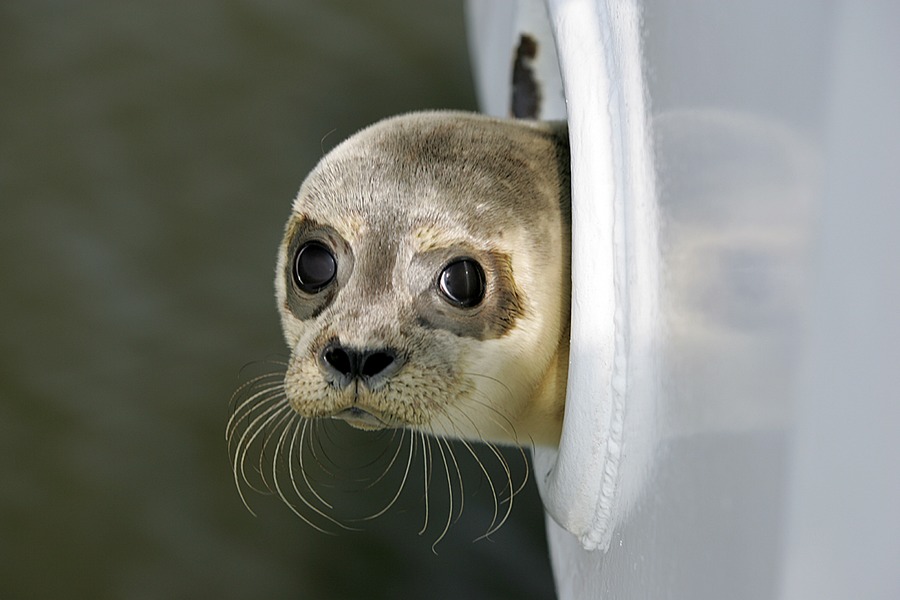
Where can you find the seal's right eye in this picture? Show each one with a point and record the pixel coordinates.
(314, 267)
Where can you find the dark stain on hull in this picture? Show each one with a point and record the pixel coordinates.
(526, 92)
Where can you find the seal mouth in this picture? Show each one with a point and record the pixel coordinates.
(360, 418)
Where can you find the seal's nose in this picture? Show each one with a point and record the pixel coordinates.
(370, 365)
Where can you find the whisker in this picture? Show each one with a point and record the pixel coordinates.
(510, 430)
(367, 465)
(261, 384)
(273, 425)
(323, 434)
(243, 445)
(512, 490)
(253, 431)
(450, 494)
(390, 464)
(412, 445)
(505, 466)
(317, 442)
(426, 460)
(280, 361)
(477, 459)
(462, 493)
(260, 398)
(490, 481)
(263, 421)
(303, 468)
(506, 425)
(299, 493)
(281, 441)
(277, 375)
(527, 464)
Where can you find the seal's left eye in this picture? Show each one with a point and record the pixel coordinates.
(462, 282)
(314, 267)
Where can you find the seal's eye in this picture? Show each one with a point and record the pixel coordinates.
(314, 267)
(462, 282)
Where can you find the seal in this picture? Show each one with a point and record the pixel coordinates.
(423, 280)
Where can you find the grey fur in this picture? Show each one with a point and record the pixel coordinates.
(494, 188)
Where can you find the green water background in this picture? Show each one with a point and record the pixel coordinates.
(148, 155)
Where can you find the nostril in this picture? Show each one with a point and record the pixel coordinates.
(375, 363)
(346, 364)
(339, 359)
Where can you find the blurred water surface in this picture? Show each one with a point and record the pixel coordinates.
(148, 155)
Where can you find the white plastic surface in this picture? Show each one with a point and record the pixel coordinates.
(842, 528)
(610, 419)
(732, 423)
(614, 257)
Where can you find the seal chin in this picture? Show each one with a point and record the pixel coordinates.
(360, 419)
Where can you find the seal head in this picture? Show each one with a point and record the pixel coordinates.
(423, 279)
